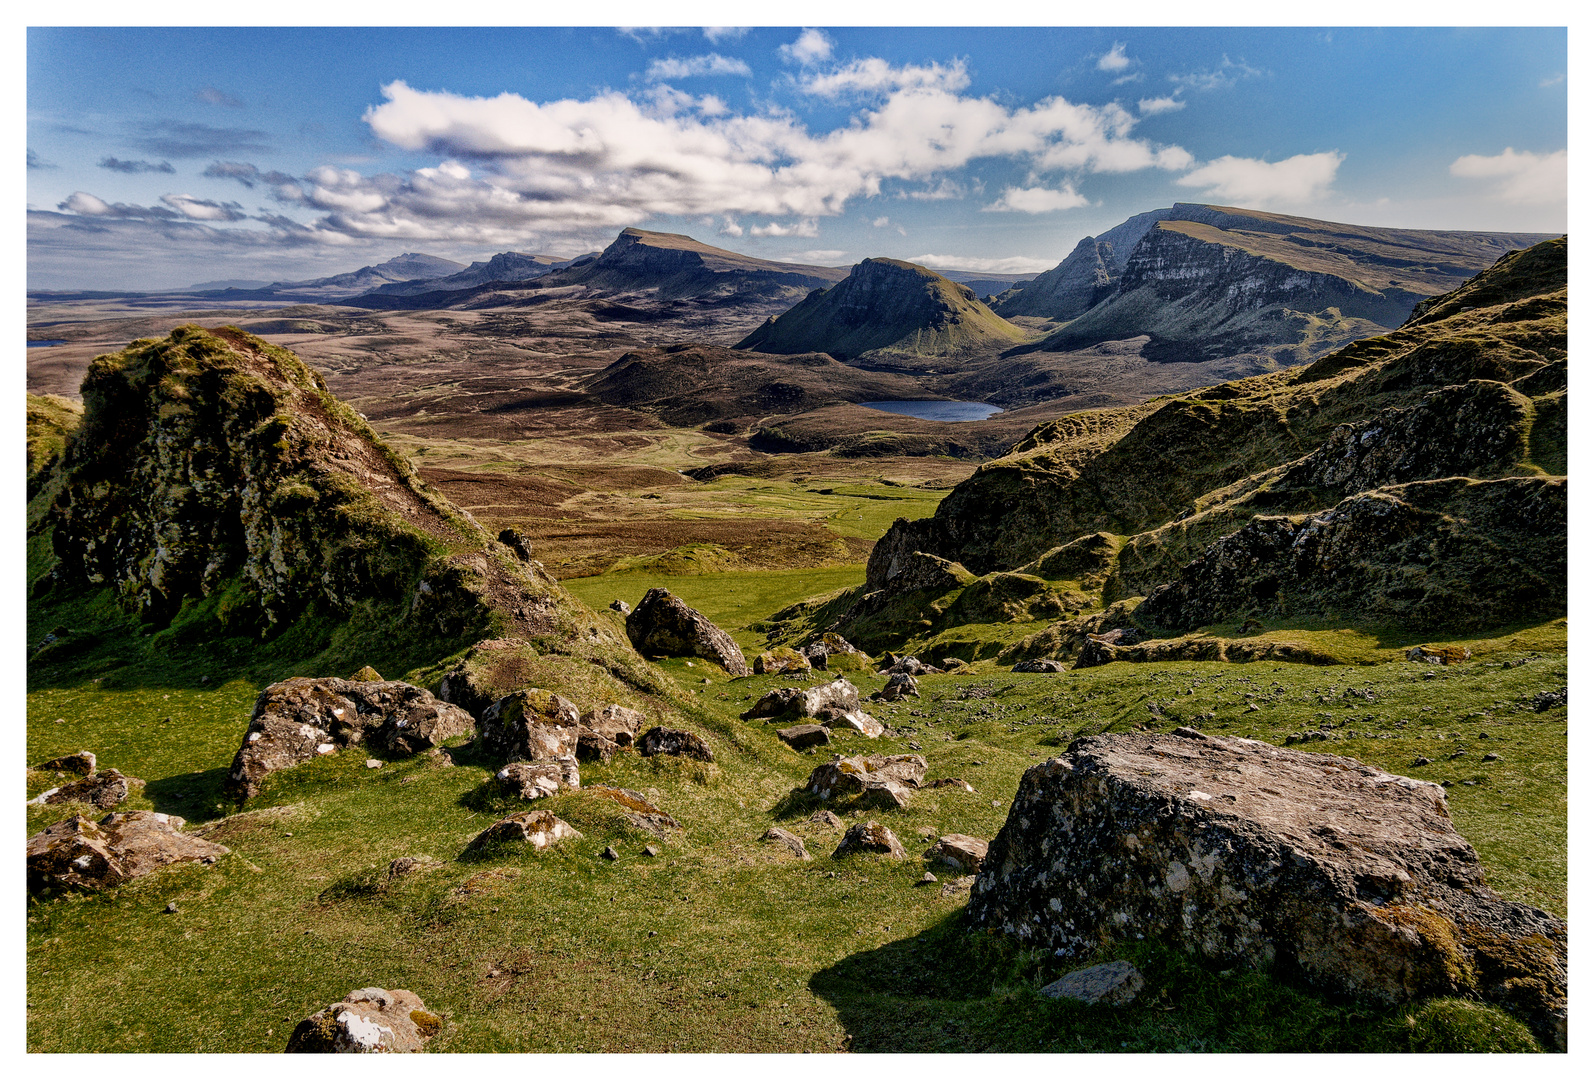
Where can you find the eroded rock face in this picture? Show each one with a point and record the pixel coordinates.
(1246, 853)
(869, 836)
(103, 789)
(298, 719)
(368, 1021)
(1039, 666)
(832, 651)
(539, 828)
(663, 740)
(86, 854)
(530, 725)
(662, 625)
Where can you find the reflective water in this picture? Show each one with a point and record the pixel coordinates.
(953, 411)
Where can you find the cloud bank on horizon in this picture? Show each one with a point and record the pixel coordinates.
(756, 139)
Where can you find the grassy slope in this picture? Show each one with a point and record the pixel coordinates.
(754, 951)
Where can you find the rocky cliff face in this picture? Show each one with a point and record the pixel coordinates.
(677, 266)
(1082, 280)
(885, 304)
(1416, 477)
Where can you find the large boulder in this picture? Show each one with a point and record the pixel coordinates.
(779, 661)
(537, 779)
(85, 854)
(869, 836)
(298, 719)
(539, 828)
(883, 780)
(530, 725)
(1246, 853)
(102, 789)
(662, 625)
(674, 742)
(369, 1021)
(833, 704)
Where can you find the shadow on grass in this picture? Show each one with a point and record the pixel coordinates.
(953, 988)
(195, 796)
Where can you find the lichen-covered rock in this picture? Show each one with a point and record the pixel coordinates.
(616, 723)
(368, 1021)
(1115, 983)
(791, 841)
(530, 725)
(662, 625)
(621, 606)
(883, 780)
(82, 763)
(367, 674)
(1246, 853)
(779, 661)
(896, 688)
(832, 704)
(1038, 666)
(639, 812)
(537, 779)
(81, 853)
(832, 652)
(298, 719)
(869, 836)
(802, 736)
(673, 741)
(103, 789)
(539, 828)
(966, 853)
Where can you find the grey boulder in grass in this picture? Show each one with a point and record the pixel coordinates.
(869, 836)
(539, 828)
(673, 741)
(1251, 854)
(368, 1021)
(662, 625)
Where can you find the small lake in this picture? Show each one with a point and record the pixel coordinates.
(950, 411)
(36, 344)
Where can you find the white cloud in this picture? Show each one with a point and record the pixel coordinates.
(1016, 264)
(1153, 106)
(1553, 80)
(1225, 74)
(81, 202)
(822, 256)
(942, 189)
(1251, 182)
(730, 227)
(717, 34)
(1114, 60)
(692, 66)
(1037, 200)
(881, 222)
(810, 47)
(808, 227)
(1528, 177)
(204, 209)
(874, 74)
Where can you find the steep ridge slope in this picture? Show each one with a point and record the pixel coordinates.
(885, 304)
(215, 481)
(1085, 278)
(1415, 478)
(676, 266)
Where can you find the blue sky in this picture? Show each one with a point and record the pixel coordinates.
(162, 157)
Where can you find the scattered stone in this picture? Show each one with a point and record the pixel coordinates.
(299, 719)
(102, 790)
(1546, 700)
(1491, 757)
(952, 781)
(869, 836)
(662, 625)
(82, 763)
(792, 841)
(610, 854)
(530, 725)
(927, 879)
(651, 851)
(639, 812)
(404, 865)
(1117, 983)
(1420, 762)
(615, 722)
(1439, 654)
(621, 606)
(780, 660)
(171, 907)
(908, 665)
(1038, 666)
(372, 763)
(1251, 854)
(831, 651)
(85, 854)
(367, 674)
(538, 779)
(965, 853)
(673, 741)
(539, 828)
(826, 819)
(369, 1021)
(803, 736)
(896, 688)
(590, 746)
(952, 665)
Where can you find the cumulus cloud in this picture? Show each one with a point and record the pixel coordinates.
(211, 96)
(176, 206)
(808, 227)
(1225, 74)
(1114, 59)
(1153, 106)
(117, 165)
(810, 47)
(730, 227)
(1255, 183)
(692, 66)
(1037, 200)
(717, 34)
(940, 190)
(881, 222)
(1526, 177)
(874, 74)
(1016, 264)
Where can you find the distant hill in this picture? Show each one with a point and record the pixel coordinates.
(505, 266)
(985, 285)
(886, 304)
(1206, 282)
(673, 267)
(411, 266)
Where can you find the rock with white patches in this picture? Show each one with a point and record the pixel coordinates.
(85, 854)
(539, 828)
(104, 790)
(368, 1021)
(530, 725)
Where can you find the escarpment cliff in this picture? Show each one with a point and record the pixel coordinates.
(675, 266)
(1417, 477)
